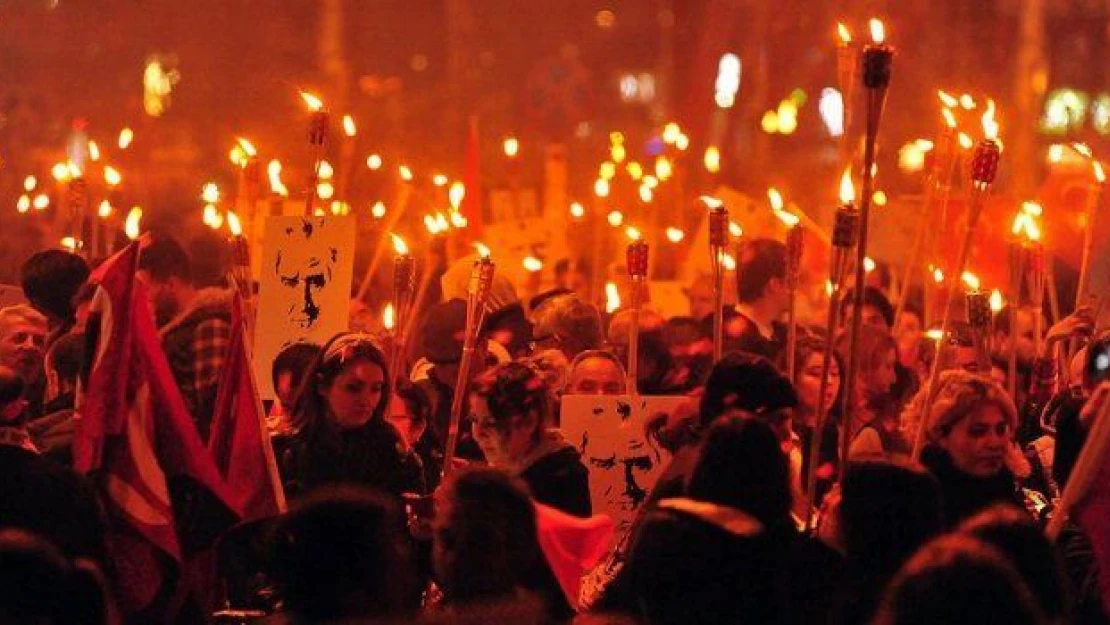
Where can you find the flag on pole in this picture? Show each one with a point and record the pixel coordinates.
(239, 441)
(134, 436)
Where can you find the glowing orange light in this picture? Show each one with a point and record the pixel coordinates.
(878, 31)
(990, 126)
(847, 189)
(949, 118)
(388, 317)
(314, 103)
(483, 251)
(948, 100)
(843, 33)
(234, 225)
(349, 127)
(399, 245)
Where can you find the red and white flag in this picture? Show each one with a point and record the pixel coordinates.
(239, 441)
(134, 436)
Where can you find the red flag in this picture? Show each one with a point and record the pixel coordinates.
(472, 179)
(239, 441)
(571, 545)
(134, 433)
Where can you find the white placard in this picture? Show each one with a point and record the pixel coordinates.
(304, 286)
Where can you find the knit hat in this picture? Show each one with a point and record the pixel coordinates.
(958, 393)
(444, 332)
(456, 282)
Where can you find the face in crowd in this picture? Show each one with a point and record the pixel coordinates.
(354, 394)
(978, 442)
(22, 338)
(596, 376)
(504, 442)
(808, 383)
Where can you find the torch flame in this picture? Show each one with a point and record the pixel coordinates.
(949, 118)
(633, 233)
(277, 187)
(966, 142)
(349, 127)
(843, 33)
(210, 193)
(788, 219)
(405, 172)
(972, 281)
(990, 126)
(378, 210)
(967, 102)
(997, 303)
(234, 225)
(483, 251)
(878, 31)
(511, 146)
(399, 245)
(735, 229)
(112, 176)
(104, 211)
(847, 189)
(711, 202)
(948, 100)
(247, 147)
(775, 198)
(374, 161)
(131, 223)
(456, 194)
(532, 264)
(388, 317)
(1083, 149)
(938, 275)
(94, 151)
(674, 235)
(612, 298)
(314, 103)
(1025, 223)
(1100, 174)
(126, 136)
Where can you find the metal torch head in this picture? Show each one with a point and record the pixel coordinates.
(845, 228)
(404, 271)
(984, 162)
(877, 62)
(481, 279)
(718, 226)
(636, 258)
(318, 128)
(979, 310)
(794, 246)
(77, 195)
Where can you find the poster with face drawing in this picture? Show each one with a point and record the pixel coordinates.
(304, 286)
(624, 464)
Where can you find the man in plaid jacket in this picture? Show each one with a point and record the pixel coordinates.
(194, 325)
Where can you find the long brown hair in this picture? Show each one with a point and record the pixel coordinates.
(310, 410)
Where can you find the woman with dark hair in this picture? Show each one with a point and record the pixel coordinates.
(1014, 533)
(970, 449)
(810, 359)
(486, 548)
(873, 425)
(509, 405)
(958, 580)
(714, 556)
(342, 435)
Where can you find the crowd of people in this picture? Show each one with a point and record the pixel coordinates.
(385, 526)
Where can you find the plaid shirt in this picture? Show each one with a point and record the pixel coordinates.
(210, 341)
(196, 346)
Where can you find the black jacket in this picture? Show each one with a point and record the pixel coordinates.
(561, 481)
(372, 455)
(48, 499)
(962, 494)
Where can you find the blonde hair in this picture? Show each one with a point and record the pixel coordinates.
(958, 394)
